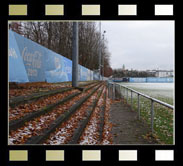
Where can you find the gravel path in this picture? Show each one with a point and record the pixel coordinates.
(127, 129)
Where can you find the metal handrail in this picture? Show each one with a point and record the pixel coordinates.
(151, 98)
(140, 94)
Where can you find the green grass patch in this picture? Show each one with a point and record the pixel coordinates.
(163, 116)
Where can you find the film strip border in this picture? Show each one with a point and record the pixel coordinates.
(17, 156)
(90, 10)
(89, 155)
(94, 10)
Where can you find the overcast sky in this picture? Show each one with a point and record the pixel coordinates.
(140, 45)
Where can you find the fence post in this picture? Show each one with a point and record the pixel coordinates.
(119, 88)
(108, 90)
(126, 95)
(131, 100)
(113, 91)
(152, 116)
(111, 95)
(121, 91)
(139, 106)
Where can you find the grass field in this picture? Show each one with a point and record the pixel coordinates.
(163, 116)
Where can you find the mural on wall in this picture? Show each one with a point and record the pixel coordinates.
(39, 63)
(17, 72)
(68, 68)
(83, 73)
(55, 70)
(33, 56)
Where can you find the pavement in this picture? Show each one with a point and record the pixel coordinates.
(127, 129)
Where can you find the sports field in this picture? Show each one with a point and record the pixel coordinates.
(161, 91)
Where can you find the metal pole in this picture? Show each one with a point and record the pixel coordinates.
(152, 115)
(127, 95)
(139, 106)
(103, 54)
(131, 99)
(100, 50)
(75, 55)
(124, 92)
(111, 91)
(121, 93)
(114, 91)
(103, 68)
(108, 89)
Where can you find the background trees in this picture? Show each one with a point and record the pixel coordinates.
(132, 73)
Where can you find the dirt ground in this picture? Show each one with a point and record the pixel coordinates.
(127, 129)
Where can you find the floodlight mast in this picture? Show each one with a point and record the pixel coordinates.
(103, 54)
(100, 50)
(75, 55)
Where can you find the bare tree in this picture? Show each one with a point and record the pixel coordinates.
(57, 36)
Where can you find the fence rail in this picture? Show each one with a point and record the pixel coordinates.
(153, 100)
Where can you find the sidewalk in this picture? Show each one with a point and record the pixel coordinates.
(127, 129)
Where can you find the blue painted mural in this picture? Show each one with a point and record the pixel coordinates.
(33, 58)
(55, 67)
(35, 63)
(17, 72)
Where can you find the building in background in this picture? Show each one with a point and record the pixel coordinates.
(164, 73)
(161, 73)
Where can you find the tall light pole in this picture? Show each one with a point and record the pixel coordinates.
(100, 50)
(103, 53)
(75, 55)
